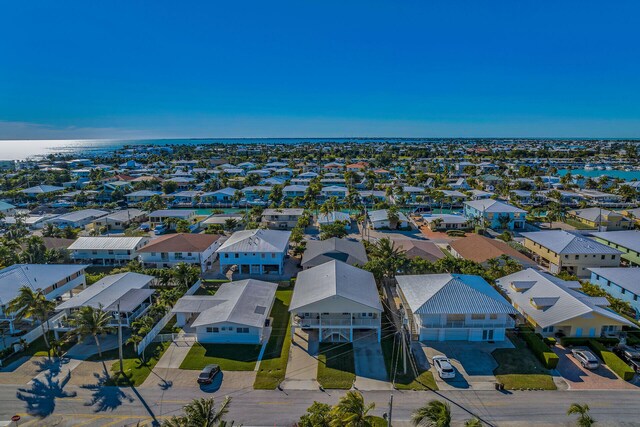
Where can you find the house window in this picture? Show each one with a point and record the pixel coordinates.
(226, 255)
(548, 329)
(264, 256)
(601, 257)
(613, 257)
(273, 255)
(237, 255)
(243, 330)
(211, 330)
(477, 317)
(153, 254)
(577, 256)
(566, 257)
(493, 316)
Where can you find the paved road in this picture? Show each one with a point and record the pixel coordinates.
(111, 406)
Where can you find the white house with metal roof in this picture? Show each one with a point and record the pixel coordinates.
(53, 279)
(255, 251)
(453, 307)
(497, 214)
(555, 306)
(78, 219)
(118, 221)
(380, 219)
(238, 312)
(124, 295)
(107, 250)
(33, 192)
(336, 299)
(560, 250)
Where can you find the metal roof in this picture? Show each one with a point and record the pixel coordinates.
(320, 251)
(624, 277)
(34, 276)
(172, 213)
(383, 215)
(567, 302)
(108, 291)
(629, 239)
(563, 242)
(451, 293)
(258, 240)
(81, 215)
(335, 278)
(492, 205)
(106, 243)
(245, 302)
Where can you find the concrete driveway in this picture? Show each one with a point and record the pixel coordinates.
(302, 367)
(371, 372)
(473, 362)
(579, 378)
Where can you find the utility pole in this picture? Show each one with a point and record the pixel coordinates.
(120, 338)
(390, 409)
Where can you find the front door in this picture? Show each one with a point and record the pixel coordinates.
(487, 335)
(578, 332)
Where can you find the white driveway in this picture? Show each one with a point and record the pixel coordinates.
(371, 372)
(302, 367)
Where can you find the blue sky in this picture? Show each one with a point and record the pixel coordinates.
(84, 69)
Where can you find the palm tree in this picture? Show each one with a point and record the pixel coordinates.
(32, 304)
(351, 411)
(584, 419)
(185, 274)
(201, 413)
(473, 422)
(92, 321)
(434, 414)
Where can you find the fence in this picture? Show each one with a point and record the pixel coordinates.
(150, 337)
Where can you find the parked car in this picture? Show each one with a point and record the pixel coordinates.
(586, 359)
(208, 374)
(630, 355)
(160, 229)
(443, 366)
(145, 227)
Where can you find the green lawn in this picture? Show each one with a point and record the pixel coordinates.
(518, 368)
(577, 224)
(210, 287)
(135, 370)
(36, 349)
(230, 357)
(276, 355)
(409, 381)
(336, 366)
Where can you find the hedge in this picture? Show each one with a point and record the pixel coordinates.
(584, 341)
(542, 351)
(610, 359)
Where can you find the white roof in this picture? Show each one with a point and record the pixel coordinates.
(108, 291)
(124, 215)
(492, 205)
(335, 279)
(563, 242)
(382, 215)
(256, 241)
(245, 302)
(40, 189)
(331, 217)
(34, 276)
(451, 293)
(558, 300)
(81, 215)
(172, 213)
(106, 243)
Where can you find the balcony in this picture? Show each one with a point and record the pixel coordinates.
(327, 321)
(507, 323)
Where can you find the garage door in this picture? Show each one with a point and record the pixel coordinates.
(456, 335)
(429, 334)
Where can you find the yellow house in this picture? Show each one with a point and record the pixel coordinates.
(554, 306)
(601, 219)
(560, 250)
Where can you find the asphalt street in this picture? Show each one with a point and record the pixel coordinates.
(41, 405)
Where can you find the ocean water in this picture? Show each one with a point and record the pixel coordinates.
(626, 175)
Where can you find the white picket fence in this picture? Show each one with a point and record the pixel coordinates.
(151, 336)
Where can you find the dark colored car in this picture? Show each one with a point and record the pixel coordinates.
(208, 374)
(630, 355)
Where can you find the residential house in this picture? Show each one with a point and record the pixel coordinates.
(172, 249)
(293, 191)
(499, 215)
(475, 247)
(422, 249)
(255, 251)
(238, 313)
(159, 216)
(380, 219)
(78, 219)
(141, 196)
(7, 209)
(281, 219)
(318, 252)
(187, 198)
(480, 195)
(555, 307)
(107, 250)
(628, 242)
(336, 299)
(600, 198)
(334, 191)
(53, 279)
(126, 296)
(33, 192)
(333, 217)
(601, 219)
(445, 221)
(119, 221)
(621, 283)
(453, 307)
(224, 196)
(559, 250)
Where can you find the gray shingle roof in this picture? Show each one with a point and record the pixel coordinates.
(451, 293)
(335, 278)
(563, 242)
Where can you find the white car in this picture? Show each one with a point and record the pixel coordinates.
(586, 359)
(444, 367)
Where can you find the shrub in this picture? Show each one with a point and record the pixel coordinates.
(541, 350)
(610, 359)
(550, 341)
(584, 341)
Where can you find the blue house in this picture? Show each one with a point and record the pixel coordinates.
(493, 211)
(619, 282)
(255, 252)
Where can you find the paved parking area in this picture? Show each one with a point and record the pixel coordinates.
(579, 378)
(473, 362)
(302, 367)
(371, 372)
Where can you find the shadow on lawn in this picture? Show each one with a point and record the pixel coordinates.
(41, 397)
